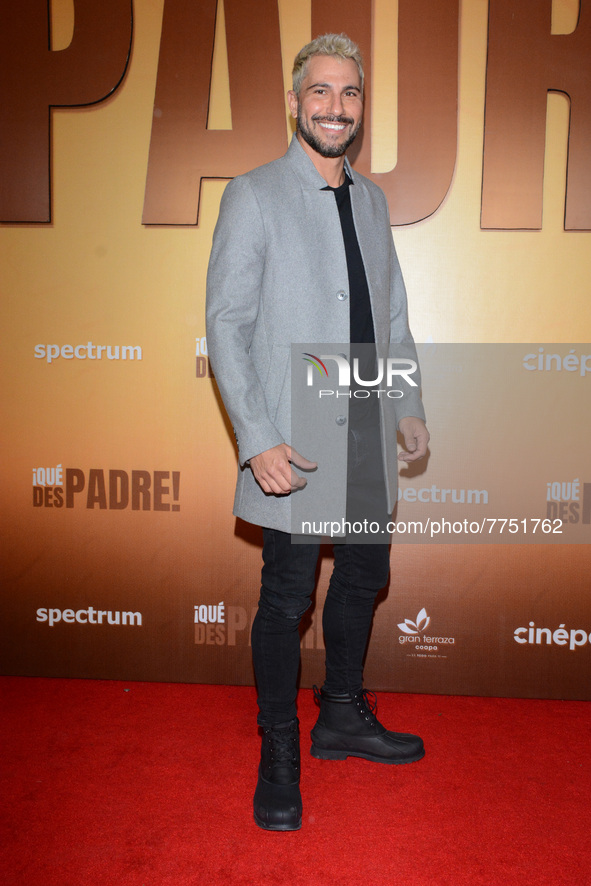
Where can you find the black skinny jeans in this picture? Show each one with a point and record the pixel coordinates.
(288, 578)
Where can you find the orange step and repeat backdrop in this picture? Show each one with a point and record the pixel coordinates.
(120, 126)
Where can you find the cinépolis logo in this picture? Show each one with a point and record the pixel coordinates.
(113, 489)
(573, 638)
(558, 362)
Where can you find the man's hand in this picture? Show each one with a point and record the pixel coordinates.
(273, 471)
(416, 438)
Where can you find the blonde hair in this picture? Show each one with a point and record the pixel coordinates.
(338, 45)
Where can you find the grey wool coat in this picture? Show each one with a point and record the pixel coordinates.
(278, 275)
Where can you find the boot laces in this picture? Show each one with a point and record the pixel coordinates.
(365, 700)
(367, 704)
(282, 744)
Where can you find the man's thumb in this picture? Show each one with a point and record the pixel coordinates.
(300, 462)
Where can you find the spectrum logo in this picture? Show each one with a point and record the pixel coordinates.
(89, 616)
(88, 351)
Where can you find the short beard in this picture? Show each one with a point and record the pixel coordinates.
(317, 145)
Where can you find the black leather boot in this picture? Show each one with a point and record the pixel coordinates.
(347, 727)
(277, 799)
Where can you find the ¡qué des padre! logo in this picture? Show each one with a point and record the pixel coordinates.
(111, 489)
(202, 363)
(420, 644)
(216, 624)
(569, 501)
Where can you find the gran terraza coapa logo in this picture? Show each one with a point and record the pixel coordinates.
(422, 646)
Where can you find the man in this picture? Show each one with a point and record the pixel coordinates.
(303, 252)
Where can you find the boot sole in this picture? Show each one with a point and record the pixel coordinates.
(328, 754)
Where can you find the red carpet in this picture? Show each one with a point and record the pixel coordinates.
(150, 784)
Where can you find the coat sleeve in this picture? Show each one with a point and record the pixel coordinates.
(233, 303)
(401, 341)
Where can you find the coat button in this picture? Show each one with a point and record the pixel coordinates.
(341, 295)
(341, 420)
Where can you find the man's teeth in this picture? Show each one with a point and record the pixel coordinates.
(337, 126)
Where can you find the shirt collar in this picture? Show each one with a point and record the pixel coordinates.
(305, 169)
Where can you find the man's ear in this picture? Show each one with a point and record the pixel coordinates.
(293, 103)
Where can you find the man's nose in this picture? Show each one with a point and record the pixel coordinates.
(336, 104)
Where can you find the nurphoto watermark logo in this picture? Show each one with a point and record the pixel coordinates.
(387, 370)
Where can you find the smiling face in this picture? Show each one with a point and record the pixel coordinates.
(329, 108)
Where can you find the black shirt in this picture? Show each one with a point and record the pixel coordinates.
(360, 314)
